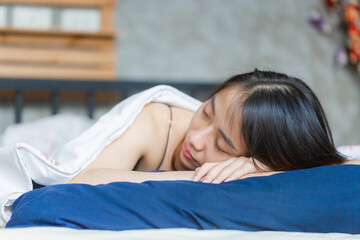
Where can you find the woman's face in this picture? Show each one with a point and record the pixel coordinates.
(210, 138)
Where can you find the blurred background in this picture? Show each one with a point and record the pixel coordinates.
(211, 40)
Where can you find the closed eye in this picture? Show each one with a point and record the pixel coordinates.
(217, 146)
(205, 114)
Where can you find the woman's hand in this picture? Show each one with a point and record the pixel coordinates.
(232, 169)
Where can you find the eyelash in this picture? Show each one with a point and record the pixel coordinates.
(217, 146)
(205, 114)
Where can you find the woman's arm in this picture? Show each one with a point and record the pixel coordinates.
(107, 175)
(353, 161)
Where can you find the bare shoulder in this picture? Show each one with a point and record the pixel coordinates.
(141, 145)
(156, 117)
(156, 112)
(125, 152)
(159, 114)
(149, 122)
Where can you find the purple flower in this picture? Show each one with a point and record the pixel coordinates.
(340, 58)
(319, 22)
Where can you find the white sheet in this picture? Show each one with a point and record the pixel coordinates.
(46, 233)
(47, 134)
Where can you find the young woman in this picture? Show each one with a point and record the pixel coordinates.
(254, 124)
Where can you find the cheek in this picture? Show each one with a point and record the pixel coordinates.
(212, 155)
(196, 121)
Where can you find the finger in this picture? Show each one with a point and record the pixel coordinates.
(262, 174)
(236, 163)
(202, 171)
(215, 171)
(245, 169)
(260, 167)
(229, 170)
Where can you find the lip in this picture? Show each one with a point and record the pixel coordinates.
(187, 153)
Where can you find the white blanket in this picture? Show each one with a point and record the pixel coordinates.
(22, 163)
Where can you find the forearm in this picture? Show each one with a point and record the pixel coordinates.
(103, 176)
(353, 161)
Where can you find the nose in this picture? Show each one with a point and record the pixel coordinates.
(199, 138)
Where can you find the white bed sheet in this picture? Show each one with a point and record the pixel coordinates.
(53, 233)
(46, 134)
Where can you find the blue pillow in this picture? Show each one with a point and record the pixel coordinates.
(323, 199)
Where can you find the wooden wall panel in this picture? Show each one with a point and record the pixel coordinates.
(55, 72)
(59, 54)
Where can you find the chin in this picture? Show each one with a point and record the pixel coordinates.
(181, 164)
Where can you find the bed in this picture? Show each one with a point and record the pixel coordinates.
(49, 139)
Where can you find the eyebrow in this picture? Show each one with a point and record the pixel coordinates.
(213, 104)
(226, 138)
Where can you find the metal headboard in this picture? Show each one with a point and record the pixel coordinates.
(123, 86)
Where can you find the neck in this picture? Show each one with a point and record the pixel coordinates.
(176, 154)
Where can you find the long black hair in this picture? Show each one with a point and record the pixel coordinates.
(282, 123)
